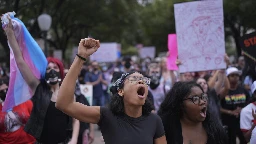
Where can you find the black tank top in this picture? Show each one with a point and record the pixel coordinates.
(55, 126)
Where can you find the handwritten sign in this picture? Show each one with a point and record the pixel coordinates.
(87, 91)
(200, 35)
(173, 52)
(108, 52)
(147, 52)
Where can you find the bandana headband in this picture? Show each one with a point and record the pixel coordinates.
(120, 80)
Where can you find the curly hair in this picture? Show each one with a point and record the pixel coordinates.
(116, 104)
(172, 110)
(173, 103)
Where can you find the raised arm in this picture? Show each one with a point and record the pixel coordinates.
(75, 132)
(225, 89)
(27, 74)
(220, 81)
(173, 77)
(213, 79)
(65, 101)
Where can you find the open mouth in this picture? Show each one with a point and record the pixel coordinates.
(203, 112)
(141, 92)
(53, 79)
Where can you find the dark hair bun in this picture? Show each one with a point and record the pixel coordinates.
(113, 90)
(116, 75)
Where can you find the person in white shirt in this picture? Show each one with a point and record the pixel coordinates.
(253, 135)
(248, 118)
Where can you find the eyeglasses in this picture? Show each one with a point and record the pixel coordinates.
(136, 79)
(197, 99)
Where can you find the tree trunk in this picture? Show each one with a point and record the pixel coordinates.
(235, 33)
(3, 41)
(238, 47)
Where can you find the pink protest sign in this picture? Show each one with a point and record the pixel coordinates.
(173, 52)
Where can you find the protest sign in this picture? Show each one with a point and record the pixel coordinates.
(173, 52)
(147, 52)
(108, 52)
(200, 35)
(87, 91)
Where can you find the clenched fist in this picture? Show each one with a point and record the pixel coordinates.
(87, 47)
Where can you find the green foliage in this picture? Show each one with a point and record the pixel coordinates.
(157, 22)
(123, 21)
(130, 51)
(107, 20)
(239, 19)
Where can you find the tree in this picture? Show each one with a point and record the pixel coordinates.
(107, 20)
(238, 19)
(158, 21)
(124, 21)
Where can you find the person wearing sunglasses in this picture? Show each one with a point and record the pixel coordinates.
(128, 120)
(232, 104)
(186, 118)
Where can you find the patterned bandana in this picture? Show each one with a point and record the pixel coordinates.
(120, 81)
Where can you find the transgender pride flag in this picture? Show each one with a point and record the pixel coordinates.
(19, 91)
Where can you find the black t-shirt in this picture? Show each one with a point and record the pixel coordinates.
(214, 104)
(128, 130)
(173, 130)
(151, 99)
(235, 98)
(55, 126)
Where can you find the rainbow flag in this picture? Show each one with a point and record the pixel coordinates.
(19, 91)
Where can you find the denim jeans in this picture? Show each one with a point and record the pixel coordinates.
(98, 101)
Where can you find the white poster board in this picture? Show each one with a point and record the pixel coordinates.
(108, 52)
(147, 52)
(74, 52)
(57, 54)
(87, 91)
(200, 35)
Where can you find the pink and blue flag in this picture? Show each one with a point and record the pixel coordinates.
(19, 91)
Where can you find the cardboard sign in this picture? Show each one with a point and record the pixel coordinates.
(87, 91)
(147, 52)
(108, 52)
(57, 54)
(248, 45)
